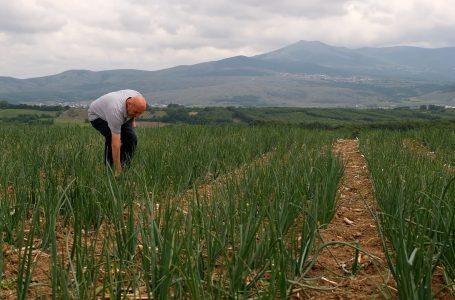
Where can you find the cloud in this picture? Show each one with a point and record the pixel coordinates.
(40, 37)
(22, 17)
(257, 9)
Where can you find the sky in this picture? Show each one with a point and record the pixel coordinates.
(46, 37)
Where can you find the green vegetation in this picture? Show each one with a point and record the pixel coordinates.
(403, 118)
(416, 195)
(29, 114)
(322, 118)
(226, 210)
(7, 105)
(27, 117)
(9, 113)
(439, 140)
(204, 211)
(72, 116)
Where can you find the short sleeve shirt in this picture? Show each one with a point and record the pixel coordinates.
(112, 109)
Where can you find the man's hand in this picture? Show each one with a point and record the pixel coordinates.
(116, 142)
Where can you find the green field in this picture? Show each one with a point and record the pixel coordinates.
(210, 212)
(311, 118)
(28, 116)
(8, 113)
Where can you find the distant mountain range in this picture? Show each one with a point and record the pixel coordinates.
(302, 74)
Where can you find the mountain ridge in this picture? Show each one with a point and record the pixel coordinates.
(306, 73)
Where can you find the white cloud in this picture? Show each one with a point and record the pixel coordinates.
(41, 37)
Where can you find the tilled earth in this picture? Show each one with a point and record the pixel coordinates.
(353, 223)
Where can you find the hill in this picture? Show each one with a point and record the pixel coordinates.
(303, 74)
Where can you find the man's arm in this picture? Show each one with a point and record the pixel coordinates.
(116, 142)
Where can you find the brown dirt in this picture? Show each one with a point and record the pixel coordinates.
(422, 150)
(418, 148)
(352, 223)
(40, 275)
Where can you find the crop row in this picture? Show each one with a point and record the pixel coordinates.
(155, 231)
(416, 196)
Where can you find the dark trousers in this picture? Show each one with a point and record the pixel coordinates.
(128, 139)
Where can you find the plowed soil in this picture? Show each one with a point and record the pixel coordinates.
(353, 223)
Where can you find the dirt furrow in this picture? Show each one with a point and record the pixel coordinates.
(353, 223)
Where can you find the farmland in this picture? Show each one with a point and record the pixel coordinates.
(398, 118)
(226, 211)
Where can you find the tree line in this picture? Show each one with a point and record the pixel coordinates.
(6, 105)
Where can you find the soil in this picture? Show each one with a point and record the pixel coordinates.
(353, 223)
(418, 148)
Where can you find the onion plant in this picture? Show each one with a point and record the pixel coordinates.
(156, 229)
(415, 194)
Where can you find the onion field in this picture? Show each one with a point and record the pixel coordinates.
(415, 192)
(214, 212)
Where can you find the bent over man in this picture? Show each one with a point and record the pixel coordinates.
(113, 115)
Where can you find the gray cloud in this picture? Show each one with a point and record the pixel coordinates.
(44, 37)
(257, 9)
(21, 17)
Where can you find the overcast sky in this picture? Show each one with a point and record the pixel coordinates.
(44, 37)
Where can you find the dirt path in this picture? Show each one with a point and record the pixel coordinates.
(353, 222)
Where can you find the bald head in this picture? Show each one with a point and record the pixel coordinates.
(136, 106)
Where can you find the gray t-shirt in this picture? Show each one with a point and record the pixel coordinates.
(112, 109)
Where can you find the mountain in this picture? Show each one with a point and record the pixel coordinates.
(301, 74)
(389, 62)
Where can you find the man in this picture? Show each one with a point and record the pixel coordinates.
(113, 115)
